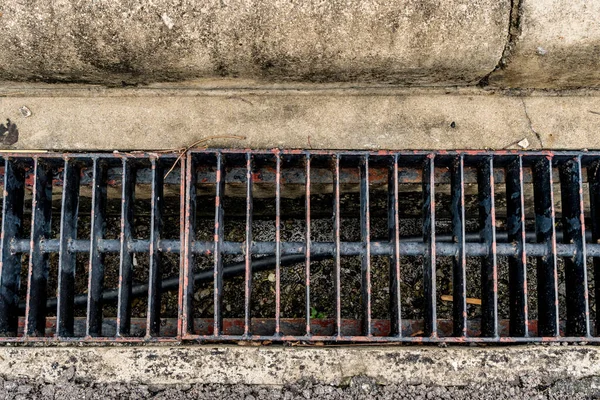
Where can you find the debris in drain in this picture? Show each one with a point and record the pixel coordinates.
(470, 300)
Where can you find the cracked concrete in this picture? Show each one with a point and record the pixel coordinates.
(88, 118)
(275, 365)
(401, 42)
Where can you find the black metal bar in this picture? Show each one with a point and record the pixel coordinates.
(96, 263)
(337, 246)
(126, 255)
(365, 236)
(573, 220)
(67, 260)
(429, 273)
(308, 246)
(517, 265)
(489, 266)
(248, 248)
(547, 285)
(277, 245)
(155, 267)
(41, 216)
(394, 238)
(459, 276)
(218, 239)
(10, 267)
(593, 173)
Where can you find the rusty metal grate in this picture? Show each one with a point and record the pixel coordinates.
(105, 247)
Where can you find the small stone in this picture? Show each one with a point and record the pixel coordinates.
(25, 111)
(156, 388)
(48, 391)
(523, 143)
(24, 389)
(167, 21)
(271, 277)
(541, 51)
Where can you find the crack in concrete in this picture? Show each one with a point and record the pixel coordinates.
(514, 31)
(537, 135)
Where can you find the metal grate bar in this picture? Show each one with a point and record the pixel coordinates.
(308, 244)
(186, 320)
(96, 263)
(155, 261)
(394, 237)
(594, 179)
(365, 235)
(459, 279)
(578, 318)
(277, 244)
(517, 265)
(67, 260)
(218, 239)
(489, 266)
(248, 248)
(337, 253)
(37, 282)
(12, 221)
(429, 262)
(126, 259)
(547, 284)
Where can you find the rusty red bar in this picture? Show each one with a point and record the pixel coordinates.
(277, 244)
(248, 248)
(308, 244)
(365, 236)
(429, 263)
(394, 237)
(218, 239)
(337, 254)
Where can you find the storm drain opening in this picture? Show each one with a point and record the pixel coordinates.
(308, 246)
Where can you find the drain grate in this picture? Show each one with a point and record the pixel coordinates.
(300, 246)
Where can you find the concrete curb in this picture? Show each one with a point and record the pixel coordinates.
(128, 42)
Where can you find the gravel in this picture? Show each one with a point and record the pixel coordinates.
(355, 388)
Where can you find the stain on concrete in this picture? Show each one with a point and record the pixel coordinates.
(9, 134)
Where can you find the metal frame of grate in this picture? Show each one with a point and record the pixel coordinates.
(486, 169)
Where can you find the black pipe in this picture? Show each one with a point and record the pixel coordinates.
(172, 283)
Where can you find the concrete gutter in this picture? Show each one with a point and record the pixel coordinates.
(92, 118)
(273, 365)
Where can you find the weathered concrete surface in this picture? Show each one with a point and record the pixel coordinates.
(144, 119)
(452, 366)
(415, 42)
(555, 44)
